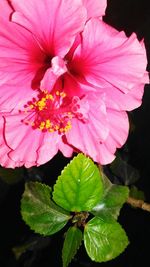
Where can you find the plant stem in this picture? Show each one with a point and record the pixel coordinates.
(138, 203)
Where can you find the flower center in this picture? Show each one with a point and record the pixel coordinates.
(54, 111)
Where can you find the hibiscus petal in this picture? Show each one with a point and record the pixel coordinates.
(96, 9)
(104, 154)
(24, 149)
(52, 74)
(115, 98)
(48, 147)
(86, 136)
(20, 59)
(11, 96)
(81, 137)
(70, 85)
(5, 161)
(31, 146)
(66, 149)
(120, 101)
(118, 127)
(98, 121)
(108, 56)
(59, 21)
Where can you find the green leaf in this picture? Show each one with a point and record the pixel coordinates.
(39, 212)
(72, 243)
(79, 187)
(136, 193)
(114, 197)
(104, 239)
(125, 172)
(33, 243)
(11, 176)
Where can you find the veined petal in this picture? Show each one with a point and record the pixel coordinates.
(65, 149)
(48, 147)
(20, 60)
(108, 56)
(12, 97)
(60, 21)
(23, 151)
(118, 127)
(104, 153)
(86, 139)
(117, 100)
(98, 121)
(5, 160)
(81, 137)
(96, 9)
(13, 125)
(51, 143)
(70, 85)
(86, 136)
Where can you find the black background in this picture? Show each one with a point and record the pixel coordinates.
(130, 16)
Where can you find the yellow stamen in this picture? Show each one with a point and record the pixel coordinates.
(48, 124)
(42, 125)
(57, 93)
(62, 94)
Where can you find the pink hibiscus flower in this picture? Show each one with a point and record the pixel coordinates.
(66, 81)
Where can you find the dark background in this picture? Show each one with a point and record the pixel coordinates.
(130, 16)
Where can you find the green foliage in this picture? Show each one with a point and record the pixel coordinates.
(82, 189)
(72, 243)
(126, 173)
(136, 193)
(114, 196)
(39, 212)
(104, 239)
(79, 186)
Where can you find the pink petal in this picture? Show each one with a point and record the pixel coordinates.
(98, 121)
(104, 154)
(118, 100)
(96, 8)
(59, 21)
(81, 137)
(118, 127)
(109, 57)
(24, 149)
(66, 149)
(5, 161)
(20, 60)
(11, 96)
(31, 146)
(48, 147)
(70, 85)
(115, 98)
(52, 74)
(86, 136)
